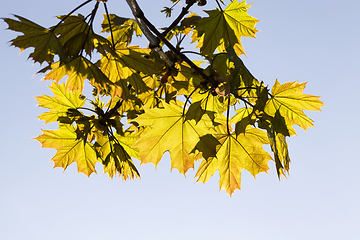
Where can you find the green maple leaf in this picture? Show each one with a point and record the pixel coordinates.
(78, 69)
(234, 153)
(44, 41)
(169, 131)
(289, 101)
(60, 103)
(76, 35)
(70, 27)
(69, 149)
(226, 27)
(123, 28)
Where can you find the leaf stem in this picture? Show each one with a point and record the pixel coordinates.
(227, 117)
(74, 10)
(111, 32)
(217, 1)
(138, 13)
(184, 11)
(187, 99)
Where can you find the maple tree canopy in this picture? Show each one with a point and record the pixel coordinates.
(158, 99)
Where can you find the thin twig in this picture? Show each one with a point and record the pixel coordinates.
(75, 9)
(111, 32)
(184, 11)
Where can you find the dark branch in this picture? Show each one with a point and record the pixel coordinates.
(138, 13)
(184, 11)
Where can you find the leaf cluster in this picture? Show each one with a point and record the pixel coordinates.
(147, 101)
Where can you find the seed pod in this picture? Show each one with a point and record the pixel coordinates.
(201, 2)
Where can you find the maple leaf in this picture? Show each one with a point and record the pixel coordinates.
(44, 41)
(235, 75)
(120, 68)
(242, 119)
(60, 103)
(116, 152)
(69, 149)
(122, 28)
(169, 131)
(277, 133)
(78, 69)
(233, 154)
(76, 35)
(70, 27)
(224, 27)
(289, 101)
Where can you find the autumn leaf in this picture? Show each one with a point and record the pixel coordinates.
(69, 149)
(233, 154)
(226, 26)
(58, 105)
(288, 99)
(45, 43)
(169, 131)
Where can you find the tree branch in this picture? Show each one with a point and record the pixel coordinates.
(184, 11)
(138, 13)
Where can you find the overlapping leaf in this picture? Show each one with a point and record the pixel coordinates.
(76, 35)
(116, 153)
(69, 149)
(277, 133)
(124, 67)
(78, 69)
(122, 28)
(60, 103)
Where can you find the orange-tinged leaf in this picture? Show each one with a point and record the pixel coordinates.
(290, 101)
(169, 131)
(69, 149)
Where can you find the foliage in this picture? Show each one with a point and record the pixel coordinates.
(157, 101)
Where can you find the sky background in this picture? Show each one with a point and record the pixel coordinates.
(306, 41)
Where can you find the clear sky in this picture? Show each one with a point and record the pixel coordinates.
(306, 41)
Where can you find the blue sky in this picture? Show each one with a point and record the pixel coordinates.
(314, 41)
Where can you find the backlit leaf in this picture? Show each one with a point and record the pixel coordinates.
(78, 69)
(46, 45)
(226, 27)
(69, 149)
(169, 131)
(235, 153)
(290, 101)
(115, 154)
(60, 103)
